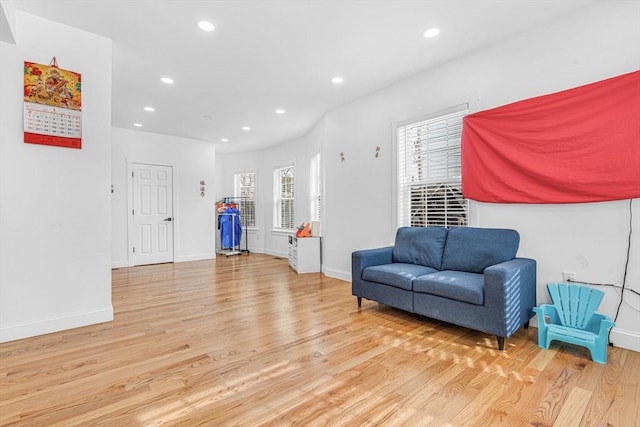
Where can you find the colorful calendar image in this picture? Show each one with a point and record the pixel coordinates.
(50, 85)
(52, 106)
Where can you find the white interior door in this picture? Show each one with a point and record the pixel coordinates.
(152, 214)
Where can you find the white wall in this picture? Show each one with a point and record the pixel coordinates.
(598, 42)
(55, 222)
(7, 21)
(193, 161)
(298, 152)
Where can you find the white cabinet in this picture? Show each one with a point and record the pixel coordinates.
(304, 254)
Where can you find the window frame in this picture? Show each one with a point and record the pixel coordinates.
(277, 199)
(446, 189)
(237, 191)
(315, 188)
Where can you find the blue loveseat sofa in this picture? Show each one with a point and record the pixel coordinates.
(466, 276)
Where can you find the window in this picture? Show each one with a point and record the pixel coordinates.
(283, 197)
(430, 172)
(245, 189)
(315, 189)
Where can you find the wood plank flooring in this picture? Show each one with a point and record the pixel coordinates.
(244, 341)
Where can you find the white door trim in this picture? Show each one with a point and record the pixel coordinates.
(130, 228)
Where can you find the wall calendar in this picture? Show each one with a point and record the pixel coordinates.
(52, 105)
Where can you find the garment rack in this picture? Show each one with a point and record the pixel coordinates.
(238, 203)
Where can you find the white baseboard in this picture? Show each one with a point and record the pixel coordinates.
(56, 324)
(196, 257)
(277, 253)
(119, 264)
(183, 258)
(625, 339)
(336, 274)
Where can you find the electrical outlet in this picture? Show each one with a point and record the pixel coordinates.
(568, 276)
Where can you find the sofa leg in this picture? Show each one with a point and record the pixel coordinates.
(359, 301)
(500, 343)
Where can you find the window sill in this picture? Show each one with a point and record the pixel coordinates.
(282, 231)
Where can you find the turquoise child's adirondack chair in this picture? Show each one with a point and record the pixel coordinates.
(572, 318)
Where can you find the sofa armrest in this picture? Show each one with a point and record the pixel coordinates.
(368, 257)
(510, 292)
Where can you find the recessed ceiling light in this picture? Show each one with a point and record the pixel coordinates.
(206, 26)
(224, 140)
(167, 80)
(150, 109)
(138, 125)
(431, 32)
(337, 80)
(280, 111)
(246, 128)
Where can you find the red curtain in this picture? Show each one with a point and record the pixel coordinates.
(578, 145)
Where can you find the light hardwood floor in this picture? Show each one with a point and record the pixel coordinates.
(245, 341)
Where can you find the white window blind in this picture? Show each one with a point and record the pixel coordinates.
(283, 197)
(430, 173)
(245, 190)
(315, 189)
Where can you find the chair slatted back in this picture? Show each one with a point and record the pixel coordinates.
(575, 304)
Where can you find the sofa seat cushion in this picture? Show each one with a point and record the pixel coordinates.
(474, 249)
(399, 275)
(456, 285)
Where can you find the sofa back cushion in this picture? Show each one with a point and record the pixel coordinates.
(474, 249)
(420, 245)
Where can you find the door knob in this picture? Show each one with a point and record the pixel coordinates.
(168, 219)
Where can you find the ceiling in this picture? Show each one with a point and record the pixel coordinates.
(268, 55)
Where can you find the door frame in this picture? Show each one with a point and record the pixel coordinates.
(130, 228)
